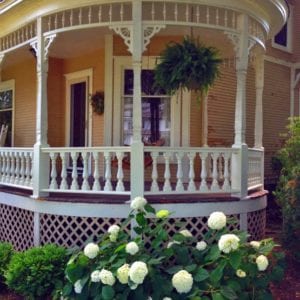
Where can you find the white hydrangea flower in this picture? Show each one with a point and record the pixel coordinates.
(91, 250)
(137, 272)
(113, 229)
(216, 220)
(262, 262)
(167, 298)
(138, 203)
(95, 276)
(228, 243)
(186, 233)
(240, 273)
(170, 244)
(78, 287)
(123, 273)
(182, 281)
(132, 248)
(107, 277)
(255, 244)
(201, 245)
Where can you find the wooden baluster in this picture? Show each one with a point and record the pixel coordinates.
(110, 13)
(55, 21)
(164, 11)
(74, 185)
(53, 175)
(167, 175)
(203, 185)
(85, 184)
(7, 178)
(122, 12)
(226, 18)
(22, 170)
(63, 20)
(187, 13)
(179, 175)
(96, 185)
(17, 169)
(152, 11)
(120, 175)
(191, 186)
(215, 184)
(90, 15)
(49, 23)
(31, 169)
(198, 14)
(154, 176)
(12, 168)
(80, 16)
(220, 167)
(217, 16)
(27, 169)
(107, 157)
(233, 20)
(207, 14)
(71, 17)
(100, 14)
(176, 12)
(64, 184)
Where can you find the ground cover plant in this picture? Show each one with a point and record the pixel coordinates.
(153, 265)
(6, 253)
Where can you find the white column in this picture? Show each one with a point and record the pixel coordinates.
(205, 121)
(137, 147)
(259, 87)
(41, 160)
(240, 159)
(1, 61)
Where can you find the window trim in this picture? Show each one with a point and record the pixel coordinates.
(177, 135)
(289, 47)
(6, 86)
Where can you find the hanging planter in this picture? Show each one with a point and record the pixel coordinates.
(188, 65)
(97, 102)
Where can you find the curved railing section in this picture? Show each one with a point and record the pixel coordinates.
(255, 169)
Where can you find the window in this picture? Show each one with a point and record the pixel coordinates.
(6, 108)
(156, 114)
(283, 39)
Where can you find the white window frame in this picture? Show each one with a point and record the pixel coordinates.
(6, 86)
(180, 131)
(289, 46)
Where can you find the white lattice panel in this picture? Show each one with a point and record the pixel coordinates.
(71, 231)
(257, 224)
(16, 227)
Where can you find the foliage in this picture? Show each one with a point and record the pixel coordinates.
(36, 272)
(97, 102)
(188, 65)
(178, 268)
(6, 253)
(288, 189)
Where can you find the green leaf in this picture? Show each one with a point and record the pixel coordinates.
(228, 292)
(141, 220)
(174, 269)
(138, 230)
(217, 296)
(67, 290)
(107, 292)
(120, 248)
(233, 284)
(235, 259)
(213, 254)
(217, 273)
(191, 268)
(155, 261)
(149, 209)
(201, 275)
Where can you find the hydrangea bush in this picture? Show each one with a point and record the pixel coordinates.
(222, 265)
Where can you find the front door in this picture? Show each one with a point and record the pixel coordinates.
(78, 115)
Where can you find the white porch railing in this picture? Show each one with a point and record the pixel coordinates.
(190, 170)
(87, 169)
(16, 167)
(255, 168)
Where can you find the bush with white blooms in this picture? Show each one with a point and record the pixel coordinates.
(152, 265)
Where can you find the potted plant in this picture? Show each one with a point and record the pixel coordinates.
(188, 65)
(97, 102)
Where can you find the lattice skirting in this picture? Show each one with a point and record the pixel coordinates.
(257, 224)
(16, 226)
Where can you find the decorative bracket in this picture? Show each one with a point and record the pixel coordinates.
(126, 33)
(235, 39)
(149, 31)
(48, 41)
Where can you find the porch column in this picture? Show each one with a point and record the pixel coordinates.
(41, 160)
(259, 86)
(1, 61)
(240, 158)
(137, 147)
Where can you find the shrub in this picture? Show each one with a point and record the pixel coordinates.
(6, 253)
(36, 272)
(221, 266)
(288, 188)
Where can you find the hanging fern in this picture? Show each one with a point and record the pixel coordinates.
(188, 65)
